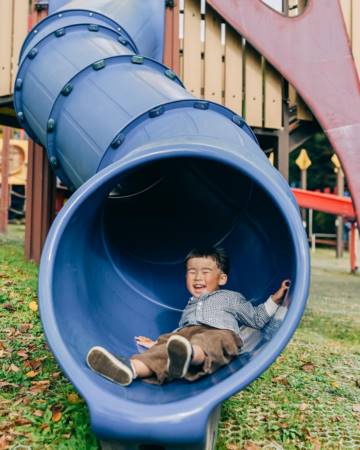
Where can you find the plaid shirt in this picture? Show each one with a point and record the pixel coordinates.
(226, 310)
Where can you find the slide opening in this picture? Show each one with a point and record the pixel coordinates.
(121, 255)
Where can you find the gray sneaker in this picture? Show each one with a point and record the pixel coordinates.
(179, 352)
(116, 369)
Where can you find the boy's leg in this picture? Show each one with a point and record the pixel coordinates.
(153, 362)
(215, 348)
(140, 368)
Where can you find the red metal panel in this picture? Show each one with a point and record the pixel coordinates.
(329, 203)
(313, 53)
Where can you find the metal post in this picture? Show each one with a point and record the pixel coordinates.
(283, 145)
(340, 220)
(4, 199)
(352, 248)
(303, 186)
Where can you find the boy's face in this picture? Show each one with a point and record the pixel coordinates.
(203, 276)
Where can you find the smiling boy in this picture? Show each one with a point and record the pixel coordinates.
(208, 334)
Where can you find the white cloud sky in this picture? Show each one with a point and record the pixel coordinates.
(276, 4)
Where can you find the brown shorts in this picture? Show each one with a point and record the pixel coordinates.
(219, 346)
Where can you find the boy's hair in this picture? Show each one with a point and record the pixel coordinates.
(216, 253)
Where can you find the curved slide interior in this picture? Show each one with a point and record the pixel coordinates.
(155, 172)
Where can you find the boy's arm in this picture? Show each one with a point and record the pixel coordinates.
(255, 316)
(258, 316)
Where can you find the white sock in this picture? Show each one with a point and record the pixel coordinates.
(133, 369)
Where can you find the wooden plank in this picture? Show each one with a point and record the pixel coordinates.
(20, 30)
(272, 98)
(253, 87)
(292, 95)
(214, 52)
(303, 112)
(355, 27)
(192, 48)
(234, 71)
(302, 6)
(346, 10)
(293, 8)
(6, 14)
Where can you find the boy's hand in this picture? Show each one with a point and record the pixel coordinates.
(144, 341)
(280, 293)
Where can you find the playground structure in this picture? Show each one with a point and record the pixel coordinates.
(88, 196)
(147, 164)
(18, 160)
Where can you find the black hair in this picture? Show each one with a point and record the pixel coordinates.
(216, 253)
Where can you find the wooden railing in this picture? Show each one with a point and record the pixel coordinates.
(216, 63)
(14, 16)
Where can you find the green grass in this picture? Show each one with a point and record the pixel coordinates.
(306, 400)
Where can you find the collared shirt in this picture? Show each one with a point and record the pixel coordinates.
(226, 310)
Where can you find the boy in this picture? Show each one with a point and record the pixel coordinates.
(208, 333)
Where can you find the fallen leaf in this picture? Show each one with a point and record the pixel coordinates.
(2, 346)
(39, 386)
(22, 421)
(22, 354)
(33, 306)
(13, 368)
(251, 446)
(73, 398)
(315, 443)
(5, 440)
(356, 407)
(38, 413)
(9, 307)
(25, 327)
(34, 364)
(43, 426)
(56, 374)
(336, 419)
(56, 415)
(4, 385)
(308, 367)
(10, 331)
(32, 374)
(282, 379)
(303, 406)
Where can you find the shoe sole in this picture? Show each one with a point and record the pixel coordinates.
(105, 364)
(179, 352)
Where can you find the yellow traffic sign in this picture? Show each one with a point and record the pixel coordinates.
(335, 160)
(303, 161)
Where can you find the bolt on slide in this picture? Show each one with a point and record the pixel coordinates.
(155, 172)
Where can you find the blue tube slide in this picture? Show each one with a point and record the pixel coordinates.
(155, 172)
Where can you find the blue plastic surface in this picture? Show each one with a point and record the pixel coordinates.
(158, 172)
